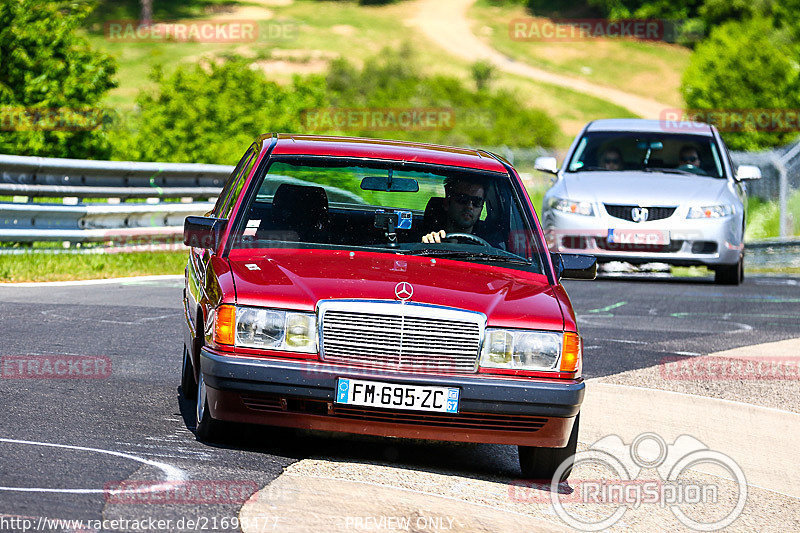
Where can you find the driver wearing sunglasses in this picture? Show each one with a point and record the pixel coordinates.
(611, 159)
(689, 156)
(463, 204)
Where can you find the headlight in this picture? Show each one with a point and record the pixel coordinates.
(270, 329)
(568, 206)
(710, 211)
(531, 350)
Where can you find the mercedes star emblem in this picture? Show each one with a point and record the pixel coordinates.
(404, 291)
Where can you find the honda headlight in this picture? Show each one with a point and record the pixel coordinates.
(521, 350)
(710, 211)
(273, 329)
(569, 206)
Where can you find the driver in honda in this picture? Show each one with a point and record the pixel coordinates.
(463, 204)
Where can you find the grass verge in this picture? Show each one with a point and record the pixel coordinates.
(67, 267)
(763, 218)
(651, 69)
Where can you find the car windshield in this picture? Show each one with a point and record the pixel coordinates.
(648, 152)
(306, 202)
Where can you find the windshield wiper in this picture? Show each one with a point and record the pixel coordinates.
(505, 257)
(672, 171)
(593, 169)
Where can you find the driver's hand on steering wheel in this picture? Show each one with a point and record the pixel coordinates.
(434, 237)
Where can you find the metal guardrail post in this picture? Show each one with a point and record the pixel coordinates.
(783, 195)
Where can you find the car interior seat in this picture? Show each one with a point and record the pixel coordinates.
(435, 217)
(301, 212)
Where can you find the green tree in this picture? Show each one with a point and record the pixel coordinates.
(743, 66)
(208, 113)
(47, 70)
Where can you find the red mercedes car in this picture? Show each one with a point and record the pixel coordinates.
(386, 288)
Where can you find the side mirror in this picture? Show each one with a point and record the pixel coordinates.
(574, 266)
(748, 172)
(546, 164)
(203, 232)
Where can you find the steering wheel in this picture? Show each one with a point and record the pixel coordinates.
(468, 237)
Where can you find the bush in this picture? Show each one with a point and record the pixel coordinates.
(483, 117)
(741, 66)
(482, 73)
(46, 67)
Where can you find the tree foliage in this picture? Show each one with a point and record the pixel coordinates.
(745, 66)
(47, 69)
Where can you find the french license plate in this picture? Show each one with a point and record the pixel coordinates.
(395, 396)
(632, 236)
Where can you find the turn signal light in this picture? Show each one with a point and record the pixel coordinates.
(571, 353)
(225, 325)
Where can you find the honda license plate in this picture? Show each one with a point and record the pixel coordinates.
(632, 236)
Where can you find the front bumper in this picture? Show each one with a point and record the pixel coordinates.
(708, 242)
(301, 394)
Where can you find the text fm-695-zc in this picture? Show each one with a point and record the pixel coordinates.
(387, 288)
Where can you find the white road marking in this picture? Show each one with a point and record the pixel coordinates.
(626, 341)
(167, 277)
(172, 474)
(53, 313)
(767, 281)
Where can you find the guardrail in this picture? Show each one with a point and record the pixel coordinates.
(94, 222)
(777, 253)
(68, 180)
(116, 221)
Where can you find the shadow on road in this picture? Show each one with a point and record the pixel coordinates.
(470, 460)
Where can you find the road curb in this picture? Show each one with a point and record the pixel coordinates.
(307, 504)
(742, 431)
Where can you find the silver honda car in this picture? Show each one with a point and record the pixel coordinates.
(644, 191)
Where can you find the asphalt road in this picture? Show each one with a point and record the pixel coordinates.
(138, 428)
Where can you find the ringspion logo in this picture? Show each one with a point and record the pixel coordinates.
(624, 487)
